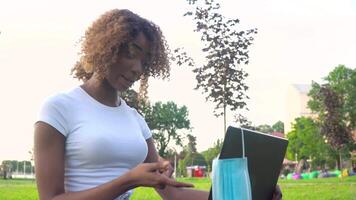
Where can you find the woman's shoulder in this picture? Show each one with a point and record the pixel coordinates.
(62, 98)
(131, 109)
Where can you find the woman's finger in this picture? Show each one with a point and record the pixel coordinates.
(151, 167)
(169, 171)
(157, 166)
(175, 183)
(164, 165)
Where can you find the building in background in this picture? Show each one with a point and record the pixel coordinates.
(297, 104)
(196, 171)
(278, 134)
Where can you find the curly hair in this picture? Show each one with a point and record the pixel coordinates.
(107, 38)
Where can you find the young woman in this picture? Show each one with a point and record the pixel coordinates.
(89, 144)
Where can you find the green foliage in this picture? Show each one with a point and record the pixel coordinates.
(189, 158)
(181, 169)
(192, 159)
(342, 80)
(166, 121)
(212, 153)
(306, 141)
(192, 144)
(265, 128)
(131, 98)
(335, 104)
(278, 127)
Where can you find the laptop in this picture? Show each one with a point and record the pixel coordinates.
(265, 154)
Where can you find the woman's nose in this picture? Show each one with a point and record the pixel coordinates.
(137, 69)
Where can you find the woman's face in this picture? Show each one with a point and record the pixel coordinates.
(129, 67)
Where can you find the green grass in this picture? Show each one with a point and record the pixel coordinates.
(323, 189)
(17, 189)
(327, 188)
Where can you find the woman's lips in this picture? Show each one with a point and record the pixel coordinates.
(127, 81)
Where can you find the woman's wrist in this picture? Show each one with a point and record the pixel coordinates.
(129, 180)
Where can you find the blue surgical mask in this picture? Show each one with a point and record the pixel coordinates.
(231, 180)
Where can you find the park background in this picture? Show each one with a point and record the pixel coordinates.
(297, 42)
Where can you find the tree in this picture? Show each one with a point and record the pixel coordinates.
(5, 168)
(136, 100)
(278, 127)
(306, 141)
(192, 143)
(249, 125)
(192, 159)
(334, 102)
(333, 127)
(139, 100)
(212, 153)
(222, 77)
(182, 170)
(342, 81)
(167, 121)
(32, 159)
(265, 128)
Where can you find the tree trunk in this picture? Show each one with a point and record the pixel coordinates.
(225, 96)
(224, 120)
(5, 174)
(310, 164)
(339, 161)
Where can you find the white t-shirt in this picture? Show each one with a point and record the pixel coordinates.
(102, 142)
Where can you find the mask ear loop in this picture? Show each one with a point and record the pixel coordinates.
(243, 143)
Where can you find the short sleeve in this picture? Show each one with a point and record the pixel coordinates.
(146, 132)
(52, 112)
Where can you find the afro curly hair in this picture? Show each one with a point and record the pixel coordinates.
(107, 38)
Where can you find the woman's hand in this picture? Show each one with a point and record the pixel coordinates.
(169, 169)
(151, 175)
(277, 194)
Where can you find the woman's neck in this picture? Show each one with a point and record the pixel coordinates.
(102, 91)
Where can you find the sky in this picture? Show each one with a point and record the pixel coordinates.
(298, 41)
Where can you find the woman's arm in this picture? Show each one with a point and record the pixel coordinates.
(49, 164)
(169, 192)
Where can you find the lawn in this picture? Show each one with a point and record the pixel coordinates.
(323, 189)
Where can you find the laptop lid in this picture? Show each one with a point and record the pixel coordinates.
(265, 154)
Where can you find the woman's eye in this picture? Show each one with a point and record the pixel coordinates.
(144, 65)
(131, 52)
